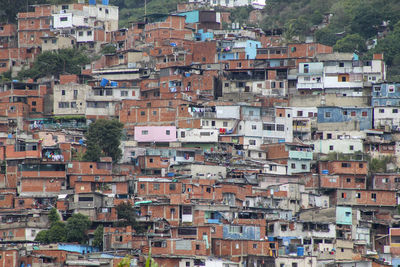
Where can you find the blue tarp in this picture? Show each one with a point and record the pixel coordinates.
(104, 82)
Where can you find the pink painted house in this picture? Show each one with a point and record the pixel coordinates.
(155, 134)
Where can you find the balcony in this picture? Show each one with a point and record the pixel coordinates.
(301, 155)
(301, 86)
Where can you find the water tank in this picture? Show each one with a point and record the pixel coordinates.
(325, 171)
(104, 2)
(92, 2)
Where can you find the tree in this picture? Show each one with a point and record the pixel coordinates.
(55, 63)
(103, 139)
(108, 49)
(57, 233)
(42, 237)
(126, 213)
(351, 43)
(326, 36)
(53, 216)
(77, 226)
(127, 216)
(98, 237)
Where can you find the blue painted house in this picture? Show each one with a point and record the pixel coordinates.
(344, 215)
(386, 95)
(360, 116)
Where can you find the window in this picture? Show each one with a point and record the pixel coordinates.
(373, 196)
(273, 85)
(341, 64)
(351, 147)
(329, 136)
(303, 166)
(252, 142)
(254, 245)
(331, 148)
(33, 103)
(80, 33)
(299, 113)
(358, 195)
(269, 127)
(353, 113)
(208, 189)
(327, 114)
(293, 165)
(283, 227)
(280, 127)
(381, 110)
(361, 165)
(348, 180)
(183, 134)
(142, 113)
(62, 92)
(225, 124)
(254, 127)
(172, 187)
(345, 113)
(395, 110)
(64, 19)
(346, 165)
(63, 104)
(156, 186)
(124, 93)
(151, 160)
(145, 132)
(197, 247)
(64, 7)
(73, 104)
(168, 132)
(226, 84)
(89, 33)
(344, 195)
(294, 264)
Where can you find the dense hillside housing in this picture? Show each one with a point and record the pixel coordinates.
(236, 151)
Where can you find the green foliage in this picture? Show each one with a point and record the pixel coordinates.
(108, 49)
(150, 261)
(77, 226)
(42, 237)
(73, 231)
(351, 43)
(280, 12)
(98, 237)
(377, 165)
(127, 216)
(57, 233)
(133, 10)
(390, 46)
(241, 14)
(103, 139)
(55, 63)
(53, 216)
(327, 36)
